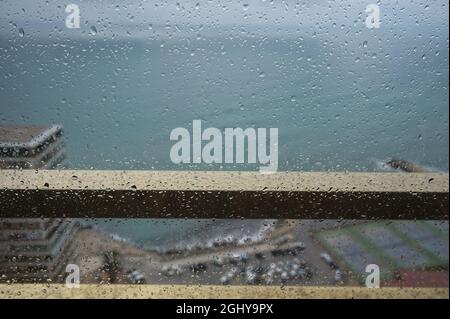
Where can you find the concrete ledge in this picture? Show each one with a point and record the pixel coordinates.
(214, 292)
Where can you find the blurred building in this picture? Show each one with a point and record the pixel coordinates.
(33, 249)
(35, 147)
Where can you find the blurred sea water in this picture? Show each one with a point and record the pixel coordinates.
(339, 104)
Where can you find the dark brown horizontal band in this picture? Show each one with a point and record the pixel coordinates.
(172, 194)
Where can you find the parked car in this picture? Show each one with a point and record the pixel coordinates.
(200, 267)
(218, 261)
(327, 258)
(225, 280)
(136, 277)
(291, 249)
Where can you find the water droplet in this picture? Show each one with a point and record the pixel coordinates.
(21, 32)
(93, 30)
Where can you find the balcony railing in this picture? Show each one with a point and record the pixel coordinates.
(172, 194)
(195, 194)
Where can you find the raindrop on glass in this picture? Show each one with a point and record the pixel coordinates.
(93, 30)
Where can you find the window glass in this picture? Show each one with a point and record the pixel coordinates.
(306, 86)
